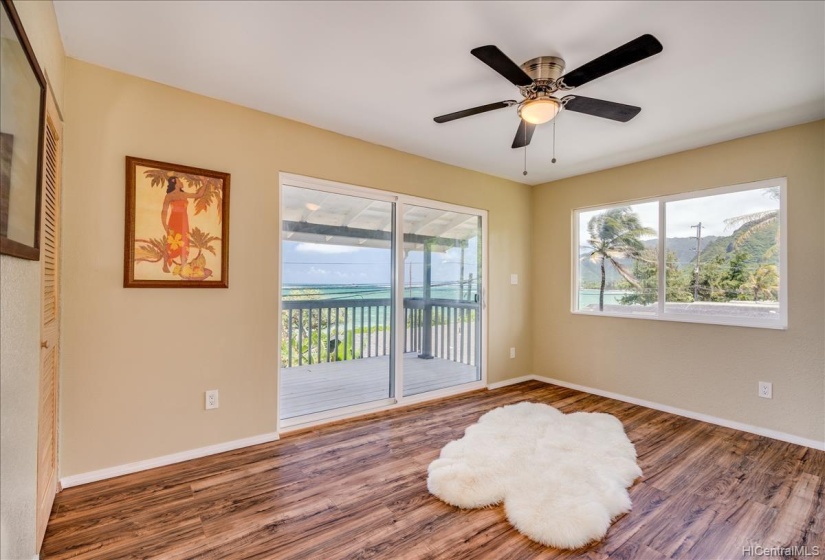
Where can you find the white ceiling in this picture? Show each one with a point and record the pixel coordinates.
(381, 71)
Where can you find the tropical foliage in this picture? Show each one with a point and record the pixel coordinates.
(154, 250)
(213, 193)
(614, 235)
(304, 336)
(202, 241)
(764, 282)
(739, 267)
(758, 221)
(646, 271)
(150, 250)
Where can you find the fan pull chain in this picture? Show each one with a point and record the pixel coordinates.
(554, 142)
(525, 150)
(525, 161)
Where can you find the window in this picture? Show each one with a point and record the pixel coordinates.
(618, 250)
(714, 256)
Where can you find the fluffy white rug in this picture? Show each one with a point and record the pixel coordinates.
(562, 477)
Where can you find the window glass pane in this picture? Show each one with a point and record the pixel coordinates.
(617, 259)
(336, 323)
(723, 255)
(442, 303)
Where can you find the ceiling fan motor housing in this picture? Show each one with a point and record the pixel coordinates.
(547, 68)
(544, 71)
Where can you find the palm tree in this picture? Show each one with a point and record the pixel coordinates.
(757, 221)
(616, 234)
(763, 281)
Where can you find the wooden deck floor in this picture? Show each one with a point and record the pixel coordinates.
(358, 489)
(314, 388)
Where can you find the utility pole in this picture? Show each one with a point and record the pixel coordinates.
(698, 260)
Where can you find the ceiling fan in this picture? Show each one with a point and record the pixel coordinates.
(539, 78)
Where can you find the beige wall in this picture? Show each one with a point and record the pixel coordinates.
(20, 337)
(136, 362)
(708, 369)
(40, 22)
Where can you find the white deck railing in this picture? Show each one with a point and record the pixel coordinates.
(315, 331)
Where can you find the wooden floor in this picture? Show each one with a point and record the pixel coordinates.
(326, 386)
(357, 489)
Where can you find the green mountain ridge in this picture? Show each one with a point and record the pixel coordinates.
(752, 239)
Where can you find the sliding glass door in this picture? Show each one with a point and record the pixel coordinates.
(381, 299)
(336, 319)
(442, 274)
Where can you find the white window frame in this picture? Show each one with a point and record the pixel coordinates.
(657, 312)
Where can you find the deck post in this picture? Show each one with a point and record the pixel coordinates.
(461, 276)
(427, 323)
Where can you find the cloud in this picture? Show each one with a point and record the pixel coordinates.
(325, 249)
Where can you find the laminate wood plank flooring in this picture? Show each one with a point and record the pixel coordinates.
(357, 489)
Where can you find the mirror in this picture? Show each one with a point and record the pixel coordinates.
(22, 98)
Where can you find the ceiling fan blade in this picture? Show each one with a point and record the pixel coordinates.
(600, 108)
(474, 111)
(638, 49)
(498, 61)
(524, 134)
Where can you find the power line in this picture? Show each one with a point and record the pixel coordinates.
(375, 263)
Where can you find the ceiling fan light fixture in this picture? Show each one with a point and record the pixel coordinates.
(540, 110)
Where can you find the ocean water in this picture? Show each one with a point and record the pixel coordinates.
(377, 291)
(445, 290)
(591, 297)
(439, 291)
(372, 316)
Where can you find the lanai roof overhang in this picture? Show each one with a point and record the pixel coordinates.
(312, 216)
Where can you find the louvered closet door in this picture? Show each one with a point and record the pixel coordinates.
(49, 329)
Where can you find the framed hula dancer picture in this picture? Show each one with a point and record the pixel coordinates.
(177, 226)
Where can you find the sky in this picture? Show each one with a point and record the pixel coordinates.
(712, 211)
(315, 263)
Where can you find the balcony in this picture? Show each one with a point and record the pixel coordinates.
(335, 353)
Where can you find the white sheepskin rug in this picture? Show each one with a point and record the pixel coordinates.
(562, 477)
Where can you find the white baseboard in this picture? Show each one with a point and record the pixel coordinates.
(773, 434)
(111, 472)
(120, 470)
(506, 382)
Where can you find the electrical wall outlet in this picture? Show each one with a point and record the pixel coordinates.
(765, 390)
(514, 279)
(211, 399)
(512, 352)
